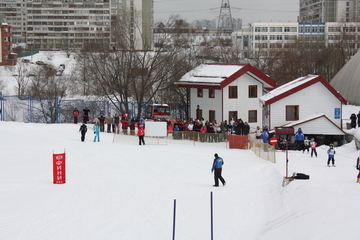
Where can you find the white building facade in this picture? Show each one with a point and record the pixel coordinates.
(302, 101)
(329, 11)
(226, 91)
(54, 25)
(263, 36)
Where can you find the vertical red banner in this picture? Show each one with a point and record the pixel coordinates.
(59, 172)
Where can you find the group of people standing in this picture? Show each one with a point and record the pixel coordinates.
(76, 115)
(237, 127)
(112, 124)
(353, 119)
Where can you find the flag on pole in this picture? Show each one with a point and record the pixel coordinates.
(59, 172)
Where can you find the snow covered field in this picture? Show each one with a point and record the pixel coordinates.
(125, 191)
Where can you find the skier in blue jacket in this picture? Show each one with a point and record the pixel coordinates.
(265, 138)
(299, 139)
(97, 132)
(217, 167)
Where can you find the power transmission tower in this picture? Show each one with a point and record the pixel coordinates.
(225, 20)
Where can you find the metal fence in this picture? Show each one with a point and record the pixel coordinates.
(26, 108)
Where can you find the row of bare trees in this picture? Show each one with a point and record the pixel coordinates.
(125, 74)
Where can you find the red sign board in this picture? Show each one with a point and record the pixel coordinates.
(59, 168)
(237, 141)
(273, 141)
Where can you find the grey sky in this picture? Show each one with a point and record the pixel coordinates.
(251, 10)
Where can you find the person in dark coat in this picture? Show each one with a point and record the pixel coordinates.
(358, 168)
(217, 167)
(246, 129)
(102, 122)
(358, 119)
(83, 130)
(86, 115)
(353, 120)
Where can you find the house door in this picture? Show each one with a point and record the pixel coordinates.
(199, 113)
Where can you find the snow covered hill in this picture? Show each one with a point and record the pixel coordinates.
(125, 191)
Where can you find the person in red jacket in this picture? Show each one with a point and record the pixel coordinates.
(76, 114)
(141, 133)
(124, 126)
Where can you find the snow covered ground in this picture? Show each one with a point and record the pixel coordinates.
(125, 191)
(54, 58)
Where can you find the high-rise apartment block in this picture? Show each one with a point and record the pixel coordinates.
(267, 36)
(59, 24)
(315, 11)
(6, 55)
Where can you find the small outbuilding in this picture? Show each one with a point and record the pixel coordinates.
(309, 103)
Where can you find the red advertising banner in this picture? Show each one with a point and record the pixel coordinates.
(59, 172)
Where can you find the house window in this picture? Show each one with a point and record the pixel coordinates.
(233, 115)
(211, 93)
(252, 116)
(211, 115)
(199, 92)
(292, 112)
(233, 92)
(253, 91)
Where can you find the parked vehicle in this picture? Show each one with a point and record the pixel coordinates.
(24, 60)
(157, 111)
(31, 74)
(60, 70)
(62, 67)
(40, 63)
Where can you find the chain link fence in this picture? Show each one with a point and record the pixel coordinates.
(25, 108)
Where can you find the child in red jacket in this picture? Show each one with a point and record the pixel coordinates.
(141, 134)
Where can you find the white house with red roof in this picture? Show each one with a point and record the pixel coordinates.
(309, 103)
(221, 91)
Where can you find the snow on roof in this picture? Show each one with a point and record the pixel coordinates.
(210, 73)
(295, 86)
(286, 87)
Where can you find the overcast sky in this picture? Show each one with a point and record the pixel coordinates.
(248, 10)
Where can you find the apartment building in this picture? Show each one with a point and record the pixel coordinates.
(262, 36)
(63, 24)
(6, 56)
(329, 11)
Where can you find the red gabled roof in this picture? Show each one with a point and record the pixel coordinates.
(223, 82)
(296, 86)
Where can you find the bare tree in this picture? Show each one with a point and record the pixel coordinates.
(130, 74)
(47, 89)
(20, 75)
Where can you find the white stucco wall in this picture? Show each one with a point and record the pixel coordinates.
(242, 104)
(315, 99)
(206, 104)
